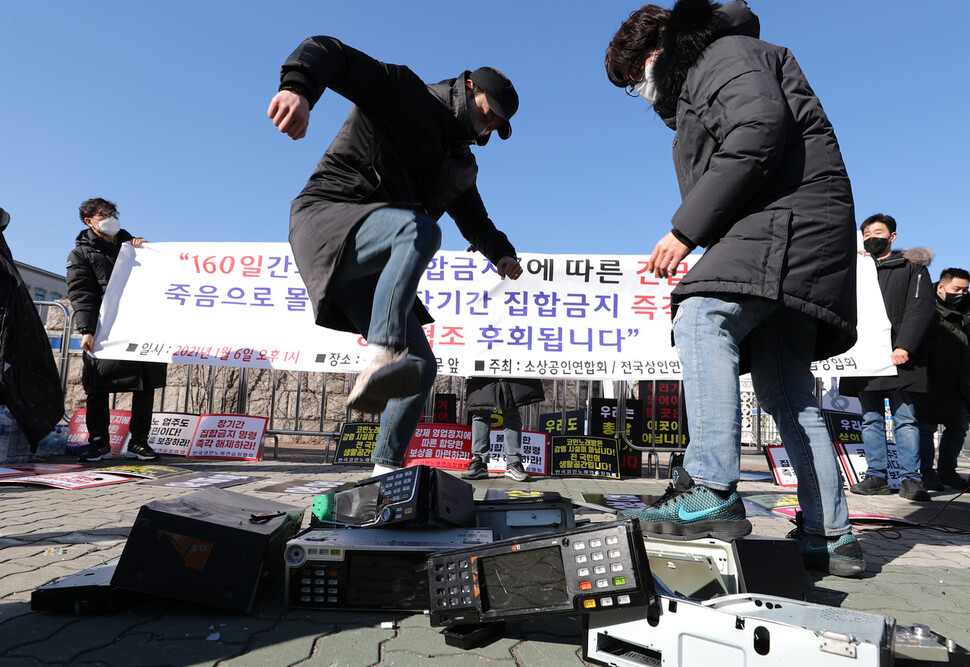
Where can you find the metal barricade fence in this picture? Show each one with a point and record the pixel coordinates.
(215, 389)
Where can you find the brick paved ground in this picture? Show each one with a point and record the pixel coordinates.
(915, 575)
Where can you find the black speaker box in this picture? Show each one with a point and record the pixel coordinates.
(86, 592)
(212, 547)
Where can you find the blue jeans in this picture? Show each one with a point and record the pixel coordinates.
(905, 429)
(390, 252)
(951, 442)
(707, 332)
(375, 286)
(512, 425)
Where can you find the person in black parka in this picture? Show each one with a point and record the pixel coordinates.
(765, 191)
(364, 228)
(30, 386)
(907, 293)
(89, 268)
(487, 395)
(947, 396)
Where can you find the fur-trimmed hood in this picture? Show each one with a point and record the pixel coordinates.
(692, 26)
(918, 256)
(921, 256)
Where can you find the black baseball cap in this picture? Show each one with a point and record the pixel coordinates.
(501, 95)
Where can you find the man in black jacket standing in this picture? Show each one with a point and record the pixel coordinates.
(89, 268)
(364, 228)
(907, 293)
(765, 191)
(948, 391)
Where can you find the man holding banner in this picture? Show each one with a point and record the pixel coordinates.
(89, 268)
(365, 226)
(765, 191)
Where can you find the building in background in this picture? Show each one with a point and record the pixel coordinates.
(42, 285)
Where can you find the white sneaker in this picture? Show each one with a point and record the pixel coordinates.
(387, 376)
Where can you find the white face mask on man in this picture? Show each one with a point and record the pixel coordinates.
(647, 88)
(109, 226)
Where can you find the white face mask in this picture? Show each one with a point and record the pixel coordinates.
(109, 226)
(647, 88)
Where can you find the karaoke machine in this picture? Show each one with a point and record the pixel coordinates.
(368, 569)
(416, 496)
(588, 569)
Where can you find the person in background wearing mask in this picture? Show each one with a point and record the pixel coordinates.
(364, 228)
(948, 392)
(765, 191)
(907, 293)
(89, 268)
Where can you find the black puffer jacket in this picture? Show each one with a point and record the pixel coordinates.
(764, 187)
(89, 268)
(948, 365)
(907, 292)
(486, 393)
(405, 144)
(30, 386)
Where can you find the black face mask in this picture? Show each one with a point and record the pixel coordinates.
(958, 301)
(875, 245)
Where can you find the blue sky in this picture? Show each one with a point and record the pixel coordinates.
(161, 107)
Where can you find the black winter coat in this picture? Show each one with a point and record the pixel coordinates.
(764, 187)
(487, 393)
(907, 293)
(405, 144)
(89, 268)
(948, 365)
(30, 386)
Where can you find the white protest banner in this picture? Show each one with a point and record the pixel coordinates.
(568, 316)
(171, 432)
(780, 465)
(228, 437)
(533, 452)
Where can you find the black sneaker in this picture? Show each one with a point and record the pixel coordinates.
(97, 451)
(142, 451)
(912, 489)
(516, 471)
(693, 511)
(871, 486)
(477, 469)
(951, 478)
(840, 555)
(932, 482)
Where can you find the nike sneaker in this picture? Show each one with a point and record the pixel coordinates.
(691, 511)
(840, 555)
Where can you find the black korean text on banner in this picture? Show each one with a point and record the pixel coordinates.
(171, 432)
(602, 422)
(356, 443)
(584, 456)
